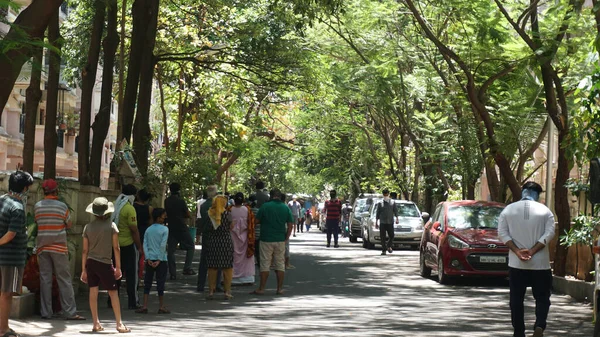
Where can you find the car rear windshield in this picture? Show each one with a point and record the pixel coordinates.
(465, 217)
(407, 210)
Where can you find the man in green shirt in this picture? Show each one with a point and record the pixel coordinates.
(276, 225)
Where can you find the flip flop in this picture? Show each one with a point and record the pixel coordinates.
(163, 311)
(142, 311)
(256, 292)
(98, 329)
(124, 329)
(11, 333)
(280, 292)
(228, 297)
(75, 318)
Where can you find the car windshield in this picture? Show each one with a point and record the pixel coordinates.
(362, 206)
(465, 217)
(408, 210)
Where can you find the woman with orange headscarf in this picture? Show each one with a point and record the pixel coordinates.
(242, 234)
(220, 247)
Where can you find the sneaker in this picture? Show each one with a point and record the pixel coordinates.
(390, 250)
(172, 277)
(189, 272)
(383, 253)
(328, 245)
(336, 246)
(539, 332)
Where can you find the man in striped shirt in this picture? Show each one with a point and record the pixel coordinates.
(53, 219)
(333, 208)
(13, 244)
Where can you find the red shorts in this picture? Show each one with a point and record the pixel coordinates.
(99, 273)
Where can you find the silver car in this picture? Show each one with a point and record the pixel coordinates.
(407, 232)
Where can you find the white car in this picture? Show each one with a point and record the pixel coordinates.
(407, 232)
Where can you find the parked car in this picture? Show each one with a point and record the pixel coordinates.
(359, 210)
(407, 232)
(461, 239)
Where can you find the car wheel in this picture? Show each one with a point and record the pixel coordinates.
(353, 239)
(443, 278)
(423, 269)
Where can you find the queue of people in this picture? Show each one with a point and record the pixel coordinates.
(128, 238)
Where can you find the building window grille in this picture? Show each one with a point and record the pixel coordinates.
(61, 138)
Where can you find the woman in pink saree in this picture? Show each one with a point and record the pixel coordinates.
(242, 235)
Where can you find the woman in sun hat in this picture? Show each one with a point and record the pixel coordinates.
(100, 241)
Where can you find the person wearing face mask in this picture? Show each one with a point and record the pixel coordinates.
(125, 217)
(13, 244)
(386, 211)
(526, 227)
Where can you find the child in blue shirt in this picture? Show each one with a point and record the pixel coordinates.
(155, 251)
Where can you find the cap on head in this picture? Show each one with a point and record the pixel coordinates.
(49, 186)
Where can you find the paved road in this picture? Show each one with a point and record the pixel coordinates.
(347, 291)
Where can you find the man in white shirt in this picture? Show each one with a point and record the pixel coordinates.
(198, 217)
(527, 227)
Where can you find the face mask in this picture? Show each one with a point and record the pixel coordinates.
(387, 199)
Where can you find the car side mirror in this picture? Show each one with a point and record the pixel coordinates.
(425, 216)
(437, 226)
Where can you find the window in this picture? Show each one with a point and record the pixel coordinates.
(61, 138)
(22, 119)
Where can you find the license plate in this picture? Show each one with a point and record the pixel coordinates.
(492, 259)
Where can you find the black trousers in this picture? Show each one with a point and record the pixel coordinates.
(386, 232)
(540, 282)
(203, 266)
(129, 266)
(182, 237)
(333, 227)
(161, 277)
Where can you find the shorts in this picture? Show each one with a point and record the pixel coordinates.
(11, 279)
(272, 252)
(287, 248)
(99, 273)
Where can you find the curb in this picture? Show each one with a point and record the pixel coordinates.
(579, 290)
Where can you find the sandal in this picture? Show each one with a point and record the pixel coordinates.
(228, 297)
(210, 296)
(124, 329)
(164, 311)
(98, 328)
(11, 333)
(142, 311)
(75, 318)
(256, 292)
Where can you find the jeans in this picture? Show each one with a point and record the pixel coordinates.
(161, 278)
(184, 238)
(129, 265)
(203, 267)
(386, 229)
(59, 264)
(333, 227)
(540, 282)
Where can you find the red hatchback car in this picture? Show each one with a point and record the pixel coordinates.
(461, 239)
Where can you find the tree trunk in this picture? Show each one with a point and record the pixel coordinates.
(88, 79)
(225, 167)
(138, 38)
(164, 111)
(415, 192)
(32, 102)
(121, 75)
(141, 129)
(102, 121)
(180, 107)
(30, 25)
(429, 184)
(50, 137)
(561, 201)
